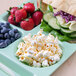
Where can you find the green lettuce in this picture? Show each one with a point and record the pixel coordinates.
(45, 27)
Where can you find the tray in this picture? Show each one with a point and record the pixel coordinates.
(8, 57)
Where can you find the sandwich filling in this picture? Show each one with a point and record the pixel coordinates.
(60, 19)
(66, 19)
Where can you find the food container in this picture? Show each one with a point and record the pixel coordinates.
(11, 62)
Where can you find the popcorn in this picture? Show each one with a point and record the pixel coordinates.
(50, 62)
(45, 63)
(39, 50)
(36, 64)
(51, 57)
(56, 57)
(33, 42)
(46, 54)
(28, 55)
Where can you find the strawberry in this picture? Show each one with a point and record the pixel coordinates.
(27, 25)
(13, 10)
(37, 16)
(11, 19)
(20, 15)
(29, 7)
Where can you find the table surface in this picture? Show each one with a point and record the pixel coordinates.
(69, 67)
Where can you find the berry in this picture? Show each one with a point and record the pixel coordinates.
(7, 41)
(12, 39)
(1, 40)
(4, 30)
(17, 36)
(15, 30)
(37, 16)
(11, 19)
(6, 35)
(7, 24)
(9, 29)
(13, 10)
(1, 35)
(1, 23)
(27, 25)
(3, 44)
(29, 7)
(11, 33)
(0, 28)
(20, 15)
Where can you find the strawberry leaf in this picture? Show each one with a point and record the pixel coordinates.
(23, 4)
(38, 10)
(28, 15)
(10, 8)
(20, 8)
(8, 12)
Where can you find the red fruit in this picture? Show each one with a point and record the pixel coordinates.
(37, 16)
(13, 10)
(29, 7)
(27, 25)
(11, 19)
(20, 15)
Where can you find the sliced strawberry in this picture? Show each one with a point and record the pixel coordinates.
(37, 16)
(20, 15)
(29, 7)
(27, 25)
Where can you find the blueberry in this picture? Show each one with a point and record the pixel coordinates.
(1, 35)
(9, 29)
(11, 33)
(3, 44)
(4, 30)
(15, 30)
(6, 24)
(6, 35)
(1, 23)
(0, 28)
(8, 41)
(17, 35)
(12, 39)
(1, 40)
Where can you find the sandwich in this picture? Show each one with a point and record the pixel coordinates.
(63, 17)
(65, 12)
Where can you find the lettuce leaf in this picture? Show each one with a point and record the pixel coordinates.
(45, 27)
(60, 37)
(50, 8)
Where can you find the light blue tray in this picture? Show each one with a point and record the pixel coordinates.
(8, 58)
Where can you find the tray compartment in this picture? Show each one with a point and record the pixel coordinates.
(39, 71)
(8, 57)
